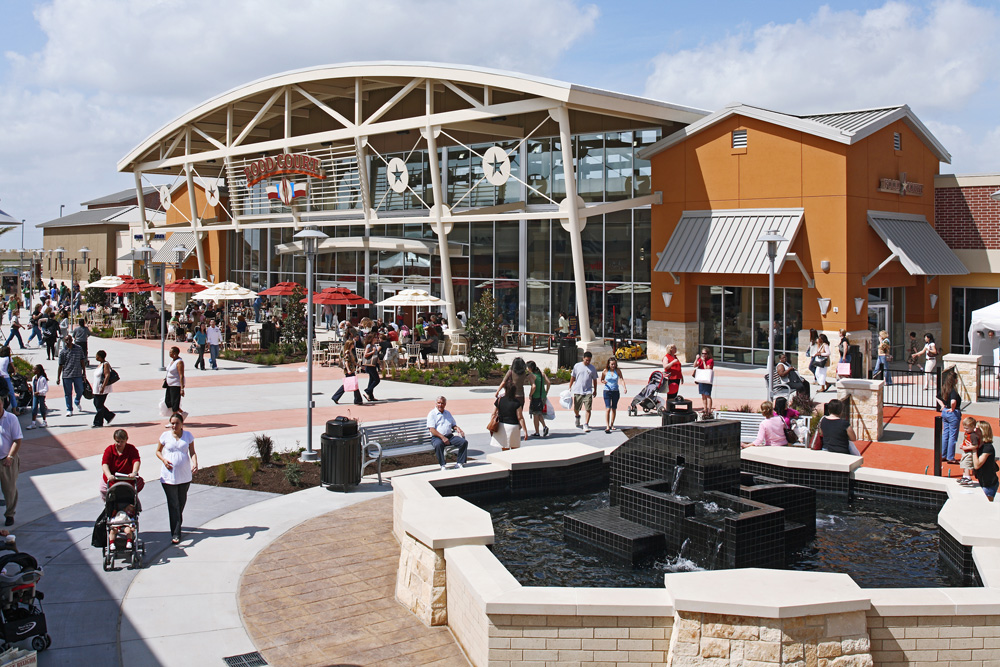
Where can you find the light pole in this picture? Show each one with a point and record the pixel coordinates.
(84, 254)
(179, 253)
(772, 238)
(310, 239)
(60, 251)
(20, 278)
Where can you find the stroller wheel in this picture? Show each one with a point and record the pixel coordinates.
(38, 643)
(136, 561)
(48, 641)
(109, 563)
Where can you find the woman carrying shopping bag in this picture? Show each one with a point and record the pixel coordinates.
(348, 361)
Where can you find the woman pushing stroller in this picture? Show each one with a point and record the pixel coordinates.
(120, 488)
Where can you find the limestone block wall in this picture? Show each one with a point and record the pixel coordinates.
(421, 581)
(661, 335)
(715, 640)
(970, 641)
(867, 403)
(578, 640)
(967, 367)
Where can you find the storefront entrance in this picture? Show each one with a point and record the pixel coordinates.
(734, 321)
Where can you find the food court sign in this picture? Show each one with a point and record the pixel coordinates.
(901, 187)
(282, 165)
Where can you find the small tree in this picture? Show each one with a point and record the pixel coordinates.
(483, 330)
(94, 296)
(293, 329)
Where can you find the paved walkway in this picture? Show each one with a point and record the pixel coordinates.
(182, 608)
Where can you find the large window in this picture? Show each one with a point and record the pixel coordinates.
(964, 300)
(734, 322)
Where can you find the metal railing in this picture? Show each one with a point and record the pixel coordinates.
(989, 382)
(912, 389)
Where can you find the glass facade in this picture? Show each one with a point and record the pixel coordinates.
(964, 300)
(733, 322)
(528, 263)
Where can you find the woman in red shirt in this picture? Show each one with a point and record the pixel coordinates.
(705, 362)
(123, 458)
(672, 369)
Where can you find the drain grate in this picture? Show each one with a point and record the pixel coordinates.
(254, 659)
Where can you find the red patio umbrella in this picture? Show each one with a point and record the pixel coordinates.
(281, 289)
(185, 286)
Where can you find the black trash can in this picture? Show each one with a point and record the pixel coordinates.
(678, 411)
(856, 365)
(567, 353)
(268, 335)
(340, 454)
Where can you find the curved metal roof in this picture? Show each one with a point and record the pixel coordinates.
(574, 96)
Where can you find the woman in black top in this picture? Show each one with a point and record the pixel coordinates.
(950, 405)
(838, 434)
(984, 460)
(510, 411)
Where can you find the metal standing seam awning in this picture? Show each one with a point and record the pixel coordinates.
(165, 254)
(725, 241)
(918, 247)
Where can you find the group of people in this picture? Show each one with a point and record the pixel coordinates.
(975, 450)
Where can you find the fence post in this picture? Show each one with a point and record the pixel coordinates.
(967, 367)
(866, 395)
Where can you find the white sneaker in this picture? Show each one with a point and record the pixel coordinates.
(442, 467)
(31, 426)
(586, 428)
(459, 466)
(43, 424)
(111, 547)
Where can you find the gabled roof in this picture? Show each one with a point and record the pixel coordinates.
(118, 197)
(846, 127)
(113, 215)
(6, 219)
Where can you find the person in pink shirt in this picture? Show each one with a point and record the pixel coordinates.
(772, 430)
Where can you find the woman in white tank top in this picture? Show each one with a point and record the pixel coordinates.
(174, 382)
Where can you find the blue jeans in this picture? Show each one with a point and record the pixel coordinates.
(68, 385)
(454, 440)
(15, 333)
(213, 351)
(950, 422)
(36, 334)
(38, 407)
(883, 365)
(10, 390)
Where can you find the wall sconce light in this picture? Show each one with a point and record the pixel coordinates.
(824, 306)
(933, 300)
(825, 265)
(859, 303)
(667, 296)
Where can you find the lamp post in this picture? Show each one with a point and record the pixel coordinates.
(772, 238)
(310, 239)
(60, 251)
(179, 253)
(84, 254)
(20, 278)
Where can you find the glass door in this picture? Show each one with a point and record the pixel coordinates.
(878, 320)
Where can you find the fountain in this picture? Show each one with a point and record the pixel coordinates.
(679, 488)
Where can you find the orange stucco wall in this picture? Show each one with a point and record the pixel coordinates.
(213, 245)
(836, 184)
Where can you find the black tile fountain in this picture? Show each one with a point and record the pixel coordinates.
(678, 489)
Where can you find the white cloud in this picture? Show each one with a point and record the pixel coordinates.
(973, 152)
(933, 60)
(113, 71)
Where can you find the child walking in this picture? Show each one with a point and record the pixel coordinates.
(973, 438)
(39, 388)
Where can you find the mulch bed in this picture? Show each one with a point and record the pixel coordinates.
(271, 478)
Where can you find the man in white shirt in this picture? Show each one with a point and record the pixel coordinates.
(446, 433)
(584, 382)
(563, 324)
(214, 336)
(10, 443)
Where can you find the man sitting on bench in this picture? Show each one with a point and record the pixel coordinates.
(446, 433)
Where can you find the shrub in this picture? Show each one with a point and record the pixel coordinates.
(239, 467)
(248, 476)
(483, 332)
(220, 474)
(745, 407)
(23, 367)
(293, 473)
(254, 463)
(263, 444)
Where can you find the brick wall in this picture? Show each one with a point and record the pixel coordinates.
(970, 641)
(966, 217)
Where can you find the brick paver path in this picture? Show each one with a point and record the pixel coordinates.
(324, 594)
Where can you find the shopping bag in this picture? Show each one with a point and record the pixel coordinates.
(704, 375)
(164, 410)
(844, 369)
(550, 410)
(351, 383)
(566, 399)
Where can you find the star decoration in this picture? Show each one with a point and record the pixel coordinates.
(497, 165)
(211, 191)
(398, 174)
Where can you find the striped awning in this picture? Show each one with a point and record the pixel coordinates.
(725, 241)
(917, 245)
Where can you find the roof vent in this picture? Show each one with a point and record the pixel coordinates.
(897, 141)
(739, 138)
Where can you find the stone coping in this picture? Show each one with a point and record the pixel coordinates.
(852, 383)
(970, 517)
(553, 601)
(549, 456)
(962, 358)
(444, 522)
(934, 601)
(987, 560)
(765, 593)
(802, 458)
(910, 479)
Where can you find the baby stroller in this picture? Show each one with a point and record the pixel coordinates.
(647, 399)
(21, 614)
(22, 391)
(121, 494)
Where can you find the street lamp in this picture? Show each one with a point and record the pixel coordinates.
(84, 253)
(20, 279)
(310, 240)
(772, 238)
(179, 253)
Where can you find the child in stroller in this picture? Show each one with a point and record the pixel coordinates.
(121, 515)
(22, 391)
(647, 399)
(21, 614)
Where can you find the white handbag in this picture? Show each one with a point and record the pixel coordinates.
(704, 375)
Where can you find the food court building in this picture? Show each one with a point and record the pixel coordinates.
(637, 216)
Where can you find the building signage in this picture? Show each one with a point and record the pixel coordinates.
(280, 165)
(900, 187)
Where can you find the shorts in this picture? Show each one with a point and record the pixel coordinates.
(966, 463)
(583, 402)
(611, 399)
(536, 406)
(990, 491)
(704, 389)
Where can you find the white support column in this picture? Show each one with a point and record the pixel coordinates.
(447, 289)
(561, 116)
(142, 207)
(193, 203)
(361, 154)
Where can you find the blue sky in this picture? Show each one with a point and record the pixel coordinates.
(83, 81)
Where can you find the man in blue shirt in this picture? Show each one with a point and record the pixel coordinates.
(446, 433)
(584, 382)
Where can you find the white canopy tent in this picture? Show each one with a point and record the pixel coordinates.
(984, 333)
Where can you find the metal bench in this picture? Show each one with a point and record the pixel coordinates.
(749, 422)
(395, 439)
